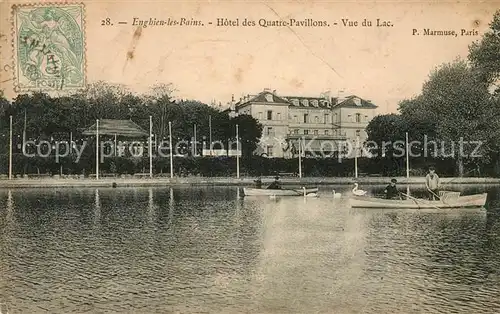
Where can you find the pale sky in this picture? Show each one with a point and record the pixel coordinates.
(382, 64)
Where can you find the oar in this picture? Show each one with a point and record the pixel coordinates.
(473, 170)
(417, 200)
(439, 198)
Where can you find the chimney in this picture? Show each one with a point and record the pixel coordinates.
(232, 98)
(274, 91)
(341, 96)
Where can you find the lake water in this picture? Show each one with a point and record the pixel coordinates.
(204, 250)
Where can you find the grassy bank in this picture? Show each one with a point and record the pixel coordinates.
(222, 181)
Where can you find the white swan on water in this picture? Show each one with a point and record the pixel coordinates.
(309, 194)
(357, 192)
(336, 195)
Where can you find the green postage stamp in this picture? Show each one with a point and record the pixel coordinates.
(49, 47)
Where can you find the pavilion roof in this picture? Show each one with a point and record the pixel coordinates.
(125, 128)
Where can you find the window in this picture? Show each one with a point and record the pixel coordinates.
(296, 131)
(315, 103)
(306, 117)
(327, 118)
(357, 101)
(270, 131)
(305, 102)
(315, 132)
(269, 115)
(295, 119)
(278, 116)
(358, 117)
(316, 119)
(270, 151)
(295, 102)
(306, 132)
(327, 132)
(358, 132)
(269, 98)
(260, 115)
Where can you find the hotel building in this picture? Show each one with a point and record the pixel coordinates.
(325, 124)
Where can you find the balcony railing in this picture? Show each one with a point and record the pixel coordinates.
(319, 136)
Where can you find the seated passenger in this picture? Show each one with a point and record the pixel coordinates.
(258, 183)
(391, 192)
(276, 185)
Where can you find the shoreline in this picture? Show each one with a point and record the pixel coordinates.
(225, 181)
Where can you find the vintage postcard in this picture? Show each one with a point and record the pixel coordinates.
(249, 157)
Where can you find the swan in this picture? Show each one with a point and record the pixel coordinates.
(336, 195)
(357, 192)
(309, 194)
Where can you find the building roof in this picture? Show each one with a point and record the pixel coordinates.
(350, 102)
(126, 128)
(265, 96)
(321, 102)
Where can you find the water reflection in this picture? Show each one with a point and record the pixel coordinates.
(97, 209)
(171, 206)
(10, 218)
(151, 207)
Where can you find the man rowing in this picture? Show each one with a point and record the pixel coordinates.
(432, 184)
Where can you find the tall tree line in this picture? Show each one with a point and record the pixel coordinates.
(459, 102)
(55, 117)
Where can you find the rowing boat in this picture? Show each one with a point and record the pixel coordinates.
(280, 192)
(448, 200)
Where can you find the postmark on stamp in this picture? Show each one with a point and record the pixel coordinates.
(49, 47)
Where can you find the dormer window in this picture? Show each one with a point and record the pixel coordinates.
(269, 98)
(295, 102)
(315, 103)
(305, 102)
(357, 101)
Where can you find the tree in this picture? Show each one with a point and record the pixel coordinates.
(457, 105)
(485, 55)
(388, 129)
(250, 132)
(421, 122)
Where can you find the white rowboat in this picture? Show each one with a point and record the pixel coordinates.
(280, 192)
(454, 201)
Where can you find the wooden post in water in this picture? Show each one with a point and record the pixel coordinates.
(97, 149)
(10, 150)
(237, 153)
(171, 153)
